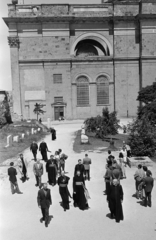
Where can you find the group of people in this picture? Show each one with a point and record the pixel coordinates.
(55, 168)
(144, 184)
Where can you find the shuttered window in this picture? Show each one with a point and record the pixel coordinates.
(57, 78)
(58, 99)
(82, 91)
(102, 90)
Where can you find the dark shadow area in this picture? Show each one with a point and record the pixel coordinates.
(108, 215)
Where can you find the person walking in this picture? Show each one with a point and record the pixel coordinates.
(108, 176)
(53, 134)
(115, 198)
(124, 152)
(79, 192)
(34, 148)
(63, 190)
(122, 165)
(86, 163)
(138, 176)
(22, 167)
(52, 171)
(13, 180)
(79, 167)
(148, 183)
(38, 171)
(44, 201)
(43, 148)
(63, 158)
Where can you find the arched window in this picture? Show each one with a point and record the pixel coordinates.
(82, 91)
(102, 90)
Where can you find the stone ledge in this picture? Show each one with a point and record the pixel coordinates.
(143, 160)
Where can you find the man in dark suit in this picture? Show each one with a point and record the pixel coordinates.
(44, 149)
(34, 148)
(44, 202)
(38, 171)
(148, 183)
(13, 180)
(86, 163)
(79, 167)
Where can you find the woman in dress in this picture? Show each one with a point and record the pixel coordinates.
(115, 198)
(79, 192)
(63, 190)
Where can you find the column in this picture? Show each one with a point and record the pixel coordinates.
(16, 88)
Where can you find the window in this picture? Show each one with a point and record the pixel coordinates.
(82, 91)
(57, 78)
(58, 99)
(102, 90)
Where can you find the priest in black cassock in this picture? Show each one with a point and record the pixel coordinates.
(78, 192)
(52, 171)
(79, 167)
(115, 198)
(63, 189)
(44, 149)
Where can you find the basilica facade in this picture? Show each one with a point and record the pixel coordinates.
(77, 59)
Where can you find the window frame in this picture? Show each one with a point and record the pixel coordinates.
(82, 101)
(105, 89)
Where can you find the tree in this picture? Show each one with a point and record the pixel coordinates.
(103, 125)
(148, 97)
(38, 109)
(142, 139)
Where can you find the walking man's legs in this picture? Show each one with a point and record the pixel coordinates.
(12, 187)
(34, 154)
(37, 180)
(46, 216)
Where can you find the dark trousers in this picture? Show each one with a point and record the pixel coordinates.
(34, 154)
(44, 155)
(45, 214)
(62, 167)
(87, 174)
(38, 180)
(148, 198)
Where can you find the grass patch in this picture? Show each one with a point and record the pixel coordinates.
(97, 143)
(17, 129)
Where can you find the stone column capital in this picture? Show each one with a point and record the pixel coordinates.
(13, 42)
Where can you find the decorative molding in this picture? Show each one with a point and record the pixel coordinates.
(13, 42)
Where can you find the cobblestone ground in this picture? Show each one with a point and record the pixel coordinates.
(20, 215)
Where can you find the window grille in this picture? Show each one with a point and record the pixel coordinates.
(102, 90)
(57, 78)
(82, 91)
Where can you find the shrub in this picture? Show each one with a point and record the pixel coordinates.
(103, 125)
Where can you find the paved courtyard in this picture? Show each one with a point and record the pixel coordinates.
(20, 215)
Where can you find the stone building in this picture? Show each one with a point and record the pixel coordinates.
(77, 59)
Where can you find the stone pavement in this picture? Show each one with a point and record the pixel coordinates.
(20, 215)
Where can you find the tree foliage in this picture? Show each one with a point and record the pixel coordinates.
(142, 138)
(103, 125)
(38, 109)
(148, 97)
(5, 115)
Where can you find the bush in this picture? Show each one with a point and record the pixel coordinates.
(103, 125)
(142, 139)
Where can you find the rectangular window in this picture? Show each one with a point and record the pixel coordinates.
(102, 93)
(58, 99)
(83, 94)
(57, 78)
